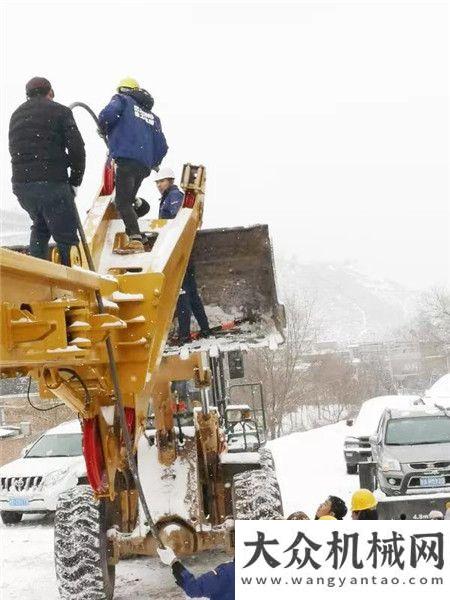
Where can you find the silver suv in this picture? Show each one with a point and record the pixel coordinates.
(412, 451)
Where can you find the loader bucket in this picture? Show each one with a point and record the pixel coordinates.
(236, 279)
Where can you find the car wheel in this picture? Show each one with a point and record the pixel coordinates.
(352, 469)
(10, 517)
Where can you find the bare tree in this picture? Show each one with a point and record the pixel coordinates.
(433, 319)
(282, 372)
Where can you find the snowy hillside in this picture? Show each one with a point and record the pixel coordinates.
(350, 306)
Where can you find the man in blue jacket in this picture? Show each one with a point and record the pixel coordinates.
(137, 144)
(189, 300)
(217, 584)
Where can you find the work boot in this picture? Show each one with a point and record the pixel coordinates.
(133, 246)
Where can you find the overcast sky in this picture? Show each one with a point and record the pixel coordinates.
(328, 121)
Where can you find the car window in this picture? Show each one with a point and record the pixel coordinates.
(58, 444)
(418, 430)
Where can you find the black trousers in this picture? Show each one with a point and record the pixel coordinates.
(52, 209)
(129, 176)
(190, 302)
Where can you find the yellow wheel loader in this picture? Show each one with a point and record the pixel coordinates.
(164, 467)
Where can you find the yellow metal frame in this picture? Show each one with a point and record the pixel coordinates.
(49, 321)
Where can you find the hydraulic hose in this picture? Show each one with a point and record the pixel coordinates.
(93, 115)
(120, 411)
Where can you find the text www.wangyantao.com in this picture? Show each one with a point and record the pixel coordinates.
(341, 582)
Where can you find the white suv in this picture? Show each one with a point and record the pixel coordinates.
(53, 464)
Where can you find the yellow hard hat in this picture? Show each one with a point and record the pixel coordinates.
(128, 82)
(327, 518)
(363, 500)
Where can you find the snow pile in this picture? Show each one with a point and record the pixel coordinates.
(68, 349)
(164, 487)
(217, 316)
(122, 297)
(79, 324)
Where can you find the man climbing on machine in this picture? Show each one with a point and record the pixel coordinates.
(189, 300)
(137, 145)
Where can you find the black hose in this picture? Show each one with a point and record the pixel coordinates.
(80, 381)
(37, 407)
(93, 115)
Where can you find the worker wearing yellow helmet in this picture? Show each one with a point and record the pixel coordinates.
(137, 145)
(129, 83)
(364, 506)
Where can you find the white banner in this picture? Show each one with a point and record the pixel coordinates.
(351, 559)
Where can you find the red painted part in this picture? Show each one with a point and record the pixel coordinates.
(130, 418)
(189, 199)
(179, 407)
(229, 325)
(93, 455)
(108, 179)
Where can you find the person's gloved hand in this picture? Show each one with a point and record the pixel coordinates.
(74, 189)
(167, 556)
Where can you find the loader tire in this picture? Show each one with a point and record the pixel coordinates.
(81, 547)
(267, 459)
(256, 494)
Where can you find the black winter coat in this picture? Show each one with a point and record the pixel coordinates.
(44, 142)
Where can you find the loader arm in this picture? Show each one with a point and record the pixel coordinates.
(51, 328)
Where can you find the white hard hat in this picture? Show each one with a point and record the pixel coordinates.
(164, 173)
(436, 515)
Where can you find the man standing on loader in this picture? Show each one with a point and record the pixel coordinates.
(189, 300)
(137, 144)
(44, 142)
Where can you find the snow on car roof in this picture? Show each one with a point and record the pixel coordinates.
(371, 410)
(416, 411)
(440, 389)
(66, 427)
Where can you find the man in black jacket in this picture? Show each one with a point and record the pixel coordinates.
(44, 142)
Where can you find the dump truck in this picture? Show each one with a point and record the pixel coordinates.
(94, 335)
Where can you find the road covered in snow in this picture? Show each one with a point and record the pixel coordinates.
(310, 466)
(27, 570)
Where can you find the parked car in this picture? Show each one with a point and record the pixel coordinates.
(439, 391)
(357, 445)
(53, 464)
(412, 451)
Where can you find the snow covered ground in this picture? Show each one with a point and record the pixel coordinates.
(27, 571)
(310, 466)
